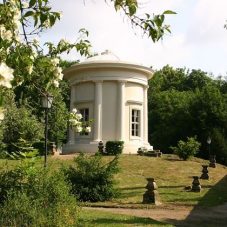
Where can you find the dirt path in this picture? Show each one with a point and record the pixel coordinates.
(179, 215)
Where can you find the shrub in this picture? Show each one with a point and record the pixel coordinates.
(114, 147)
(36, 197)
(186, 149)
(91, 179)
(20, 125)
(2, 145)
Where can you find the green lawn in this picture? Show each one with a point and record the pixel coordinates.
(171, 176)
(98, 218)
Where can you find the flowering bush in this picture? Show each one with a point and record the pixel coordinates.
(28, 68)
(22, 59)
(77, 123)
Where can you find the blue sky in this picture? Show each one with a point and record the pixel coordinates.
(198, 39)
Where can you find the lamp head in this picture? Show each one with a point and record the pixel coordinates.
(47, 100)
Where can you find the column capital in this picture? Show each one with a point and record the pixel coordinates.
(146, 86)
(97, 81)
(122, 81)
(74, 83)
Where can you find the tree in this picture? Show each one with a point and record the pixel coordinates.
(31, 70)
(184, 103)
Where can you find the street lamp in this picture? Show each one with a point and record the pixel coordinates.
(209, 142)
(47, 100)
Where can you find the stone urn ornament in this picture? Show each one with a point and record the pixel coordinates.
(212, 161)
(151, 195)
(196, 187)
(205, 171)
(53, 148)
(101, 147)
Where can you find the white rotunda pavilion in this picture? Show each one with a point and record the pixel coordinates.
(114, 94)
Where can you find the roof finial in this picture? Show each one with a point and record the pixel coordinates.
(106, 52)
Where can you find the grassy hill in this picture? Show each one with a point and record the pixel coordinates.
(170, 174)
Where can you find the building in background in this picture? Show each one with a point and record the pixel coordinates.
(114, 94)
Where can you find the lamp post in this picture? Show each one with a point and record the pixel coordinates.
(47, 100)
(209, 142)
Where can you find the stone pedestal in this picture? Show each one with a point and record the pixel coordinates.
(196, 187)
(212, 161)
(151, 195)
(53, 149)
(205, 171)
(101, 147)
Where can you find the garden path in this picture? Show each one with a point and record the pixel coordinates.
(178, 215)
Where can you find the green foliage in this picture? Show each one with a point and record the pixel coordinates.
(153, 27)
(58, 120)
(114, 147)
(2, 145)
(219, 146)
(187, 149)
(91, 179)
(184, 103)
(36, 197)
(20, 126)
(22, 155)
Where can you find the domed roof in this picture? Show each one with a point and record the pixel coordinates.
(107, 55)
(106, 60)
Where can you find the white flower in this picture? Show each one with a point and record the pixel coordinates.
(17, 14)
(2, 28)
(79, 116)
(35, 54)
(55, 61)
(16, 18)
(74, 110)
(1, 114)
(29, 69)
(46, 23)
(58, 73)
(6, 75)
(62, 43)
(17, 37)
(36, 42)
(73, 122)
(8, 35)
(25, 5)
(5, 34)
(56, 83)
(79, 129)
(88, 129)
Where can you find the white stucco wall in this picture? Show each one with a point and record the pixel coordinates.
(84, 92)
(134, 92)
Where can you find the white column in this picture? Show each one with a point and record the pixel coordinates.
(98, 111)
(145, 113)
(121, 110)
(72, 100)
